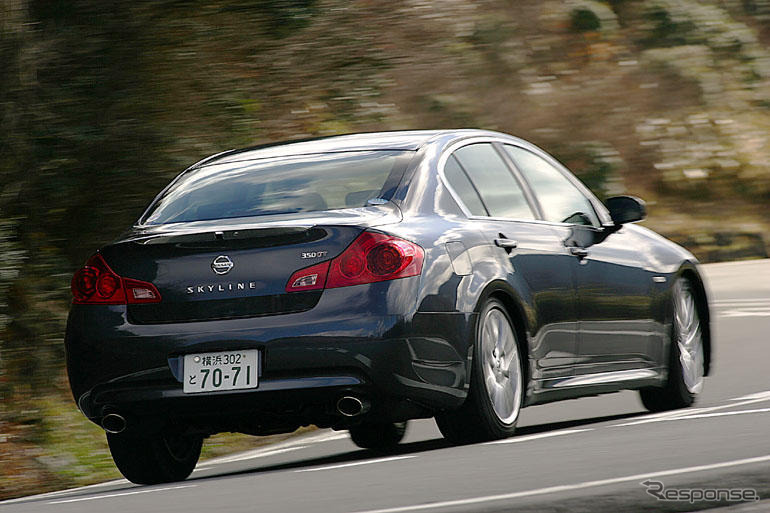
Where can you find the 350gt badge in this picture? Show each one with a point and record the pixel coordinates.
(314, 254)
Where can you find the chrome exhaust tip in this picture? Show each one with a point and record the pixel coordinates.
(351, 406)
(113, 423)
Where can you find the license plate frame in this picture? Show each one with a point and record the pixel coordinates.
(221, 371)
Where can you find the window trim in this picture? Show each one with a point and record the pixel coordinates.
(468, 177)
(452, 148)
(529, 192)
(522, 185)
(599, 208)
(568, 175)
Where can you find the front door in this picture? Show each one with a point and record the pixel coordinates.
(617, 330)
(613, 289)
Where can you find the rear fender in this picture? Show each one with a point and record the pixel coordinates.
(518, 312)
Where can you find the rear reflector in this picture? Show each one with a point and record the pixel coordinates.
(309, 278)
(140, 292)
(372, 257)
(96, 283)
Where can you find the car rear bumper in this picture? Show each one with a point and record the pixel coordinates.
(406, 365)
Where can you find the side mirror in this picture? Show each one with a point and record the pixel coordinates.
(626, 209)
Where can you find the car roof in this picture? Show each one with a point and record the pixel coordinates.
(404, 140)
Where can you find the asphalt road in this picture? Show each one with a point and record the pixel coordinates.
(583, 455)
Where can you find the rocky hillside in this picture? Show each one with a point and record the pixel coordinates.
(668, 99)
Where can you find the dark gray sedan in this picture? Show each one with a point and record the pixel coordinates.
(360, 281)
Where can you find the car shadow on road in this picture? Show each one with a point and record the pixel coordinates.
(566, 424)
(411, 448)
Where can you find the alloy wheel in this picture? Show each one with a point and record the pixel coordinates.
(689, 337)
(502, 366)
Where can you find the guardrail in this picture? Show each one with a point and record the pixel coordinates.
(723, 246)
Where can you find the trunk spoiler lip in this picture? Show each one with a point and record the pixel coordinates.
(366, 217)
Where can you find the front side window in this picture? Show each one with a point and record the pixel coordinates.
(499, 190)
(283, 185)
(560, 199)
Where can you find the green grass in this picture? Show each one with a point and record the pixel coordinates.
(53, 447)
(76, 449)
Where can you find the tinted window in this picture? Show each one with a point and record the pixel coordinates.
(283, 185)
(458, 180)
(560, 200)
(501, 193)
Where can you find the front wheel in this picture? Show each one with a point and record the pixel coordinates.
(686, 363)
(154, 459)
(497, 383)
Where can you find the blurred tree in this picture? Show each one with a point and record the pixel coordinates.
(584, 20)
(73, 134)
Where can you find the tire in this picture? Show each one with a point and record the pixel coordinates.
(686, 357)
(155, 459)
(378, 435)
(497, 385)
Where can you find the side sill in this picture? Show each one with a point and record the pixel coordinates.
(575, 387)
(603, 378)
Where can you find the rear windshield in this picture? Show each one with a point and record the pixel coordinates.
(306, 183)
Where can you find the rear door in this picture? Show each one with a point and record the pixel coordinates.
(532, 254)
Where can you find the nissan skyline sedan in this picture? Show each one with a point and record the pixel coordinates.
(361, 281)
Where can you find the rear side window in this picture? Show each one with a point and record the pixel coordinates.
(459, 181)
(499, 190)
(560, 200)
(285, 185)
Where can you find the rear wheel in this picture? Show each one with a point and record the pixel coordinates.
(154, 459)
(378, 435)
(497, 383)
(686, 364)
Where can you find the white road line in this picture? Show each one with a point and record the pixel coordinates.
(758, 395)
(746, 304)
(260, 453)
(741, 300)
(324, 436)
(120, 494)
(660, 417)
(49, 495)
(721, 414)
(303, 441)
(538, 436)
(747, 312)
(693, 411)
(737, 300)
(566, 488)
(356, 463)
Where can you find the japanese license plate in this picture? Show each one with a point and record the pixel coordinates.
(224, 370)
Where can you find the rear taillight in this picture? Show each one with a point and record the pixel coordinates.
(96, 283)
(372, 257)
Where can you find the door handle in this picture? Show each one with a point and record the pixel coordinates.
(578, 251)
(506, 243)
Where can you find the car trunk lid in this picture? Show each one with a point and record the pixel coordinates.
(207, 270)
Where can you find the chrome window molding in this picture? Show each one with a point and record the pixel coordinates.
(600, 210)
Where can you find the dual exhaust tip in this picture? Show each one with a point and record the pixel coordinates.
(349, 406)
(352, 406)
(113, 423)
